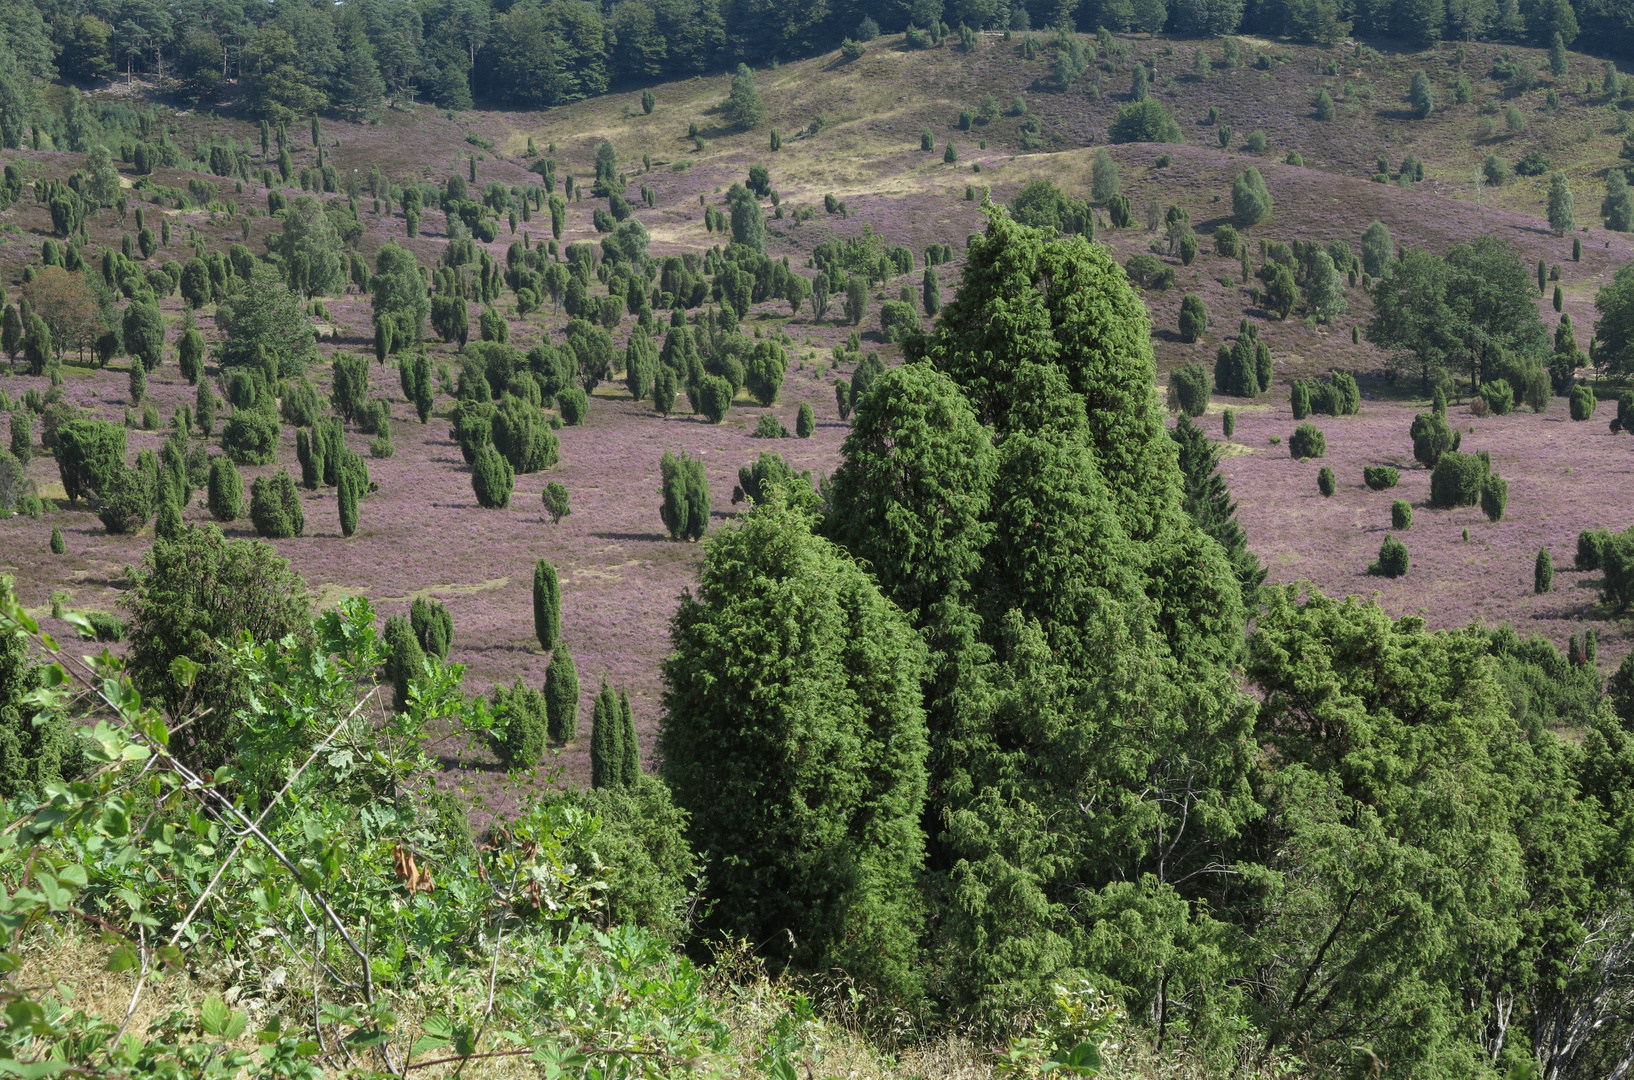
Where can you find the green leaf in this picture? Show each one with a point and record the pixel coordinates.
(33, 1069)
(185, 671)
(235, 1026)
(79, 622)
(426, 1042)
(124, 958)
(214, 1016)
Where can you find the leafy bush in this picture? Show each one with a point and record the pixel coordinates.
(1393, 559)
(1189, 389)
(1380, 477)
(714, 398)
(1499, 397)
(492, 479)
(1494, 497)
(275, 507)
(1582, 402)
(1457, 480)
(573, 404)
(1591, 546)
(225, 490)
(1307, 441)
(521, 726)
(1543, 572)
(1401, 515)
(1149, 272)
(685, 491)
(1193, 318)
(1144, 121)
(1432, 437)
(250, 436)
(1325, 482)
(898, 320)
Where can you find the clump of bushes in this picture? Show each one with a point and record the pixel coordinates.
(1457, 479)
(1401, 515)
(275, 507)
(1188, 389)
(1393, 559)
(1380, 477)
(1307, 441)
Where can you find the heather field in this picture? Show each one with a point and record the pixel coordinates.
(852, 131)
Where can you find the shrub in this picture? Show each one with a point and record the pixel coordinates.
(1432, 438)
(1457, 480)
(1148, 271)
(1543, 572)
(764, 367)
(1228, 423)
(492, 479)
(1256, 142)
(1325, 482)
(1189, 389)
(1393, 559)
(1250, 199)
(805, 421)
(547, 604)
(1401, 515)
(1494, 496)
(433, 626)
(1582, 402)
(521, 726)
(1591, 543)
(1144, 121)
(770, 427)
(346, 503)
(898, 320)
(1380, 477)
(1498, 396)
(1299, 398)
(275, 507)
(714, 398)
(1225, 241)
(1193, 319)
(573, 404)
(1307, 441)
(555, 500)
(250, 437)
(58, 546)
(685, 492)
(1617, 562)
(226, 490)
(562, 696)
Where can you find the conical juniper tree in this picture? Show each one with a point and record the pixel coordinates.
(547, 604)
(794, 736)
(606, 741)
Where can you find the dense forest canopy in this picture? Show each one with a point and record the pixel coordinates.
(292, 57)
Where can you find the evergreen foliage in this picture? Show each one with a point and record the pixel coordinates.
(492, 479)
(606, 741)
(275, 507)
(1380, 477)
(1307, 441)
(1189, 389)
(1193, 318)
(1325, 482)
(346, 503)
(522, 727)
(562, 696)
(433, 626)
(1401, 515)
(685, 494)
(1457, 479)
(32, 754)
(1393, 559)
(404, 659)
(1543, 572)
(547, 605)
(225, 496)
(798, 755)
(1250, 199)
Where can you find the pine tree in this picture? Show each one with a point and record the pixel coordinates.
(562, 695)
(606, 741)
(347, 502)
(1420, 95)
(629, 742)
(433, 626)
(1561, 219)
(225, 490)
(1208, 500)
(358, 82)
(547, 605)
(403, 660)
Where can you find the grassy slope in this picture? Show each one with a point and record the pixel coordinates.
(423, 533)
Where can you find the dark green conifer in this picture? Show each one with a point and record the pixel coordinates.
(403, 660)
(547, 605)
(58, 547)
(562, 695)
(347, 502)
(225, 490)
(1543, 572)
(606, 741)
(433, 626)
(628, 741)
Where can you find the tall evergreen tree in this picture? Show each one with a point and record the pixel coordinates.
(562, 695)
(1208, 500)
(606, 741)
(547, 605)
(794, 736)
(628, 741)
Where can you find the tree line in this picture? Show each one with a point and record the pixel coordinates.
(291, 58)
